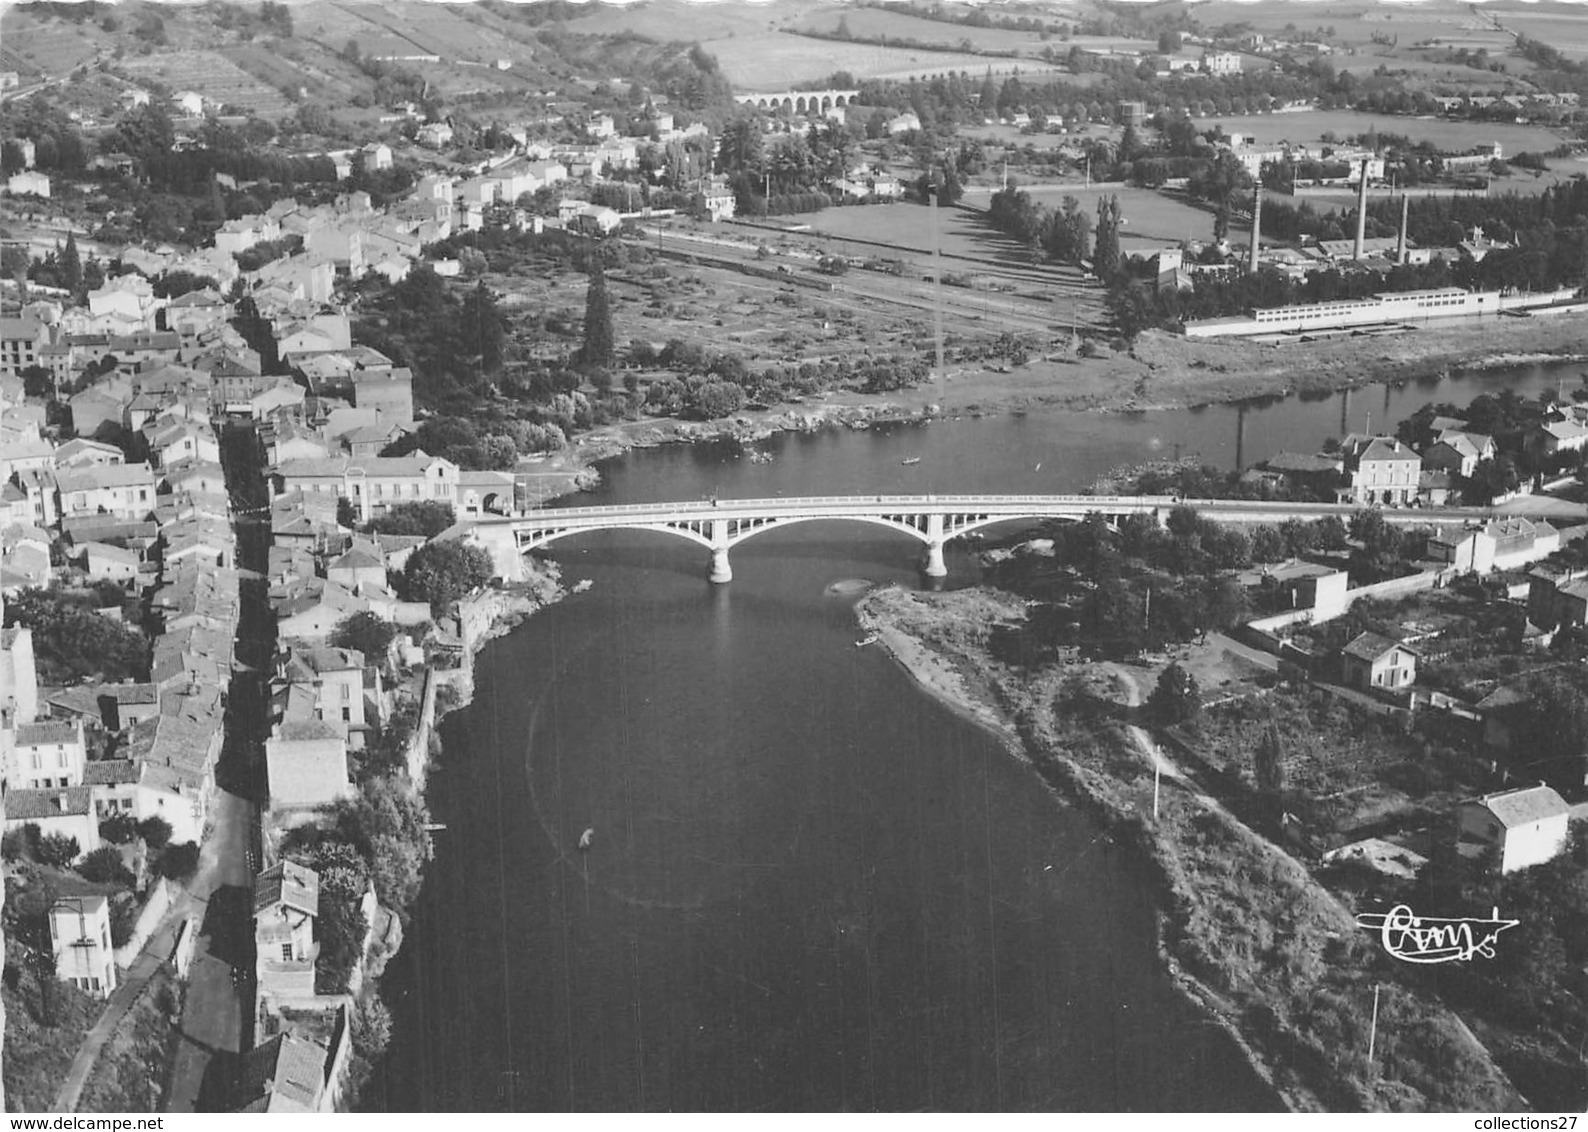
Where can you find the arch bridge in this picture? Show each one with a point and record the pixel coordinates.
(933, 520)
(798, 101)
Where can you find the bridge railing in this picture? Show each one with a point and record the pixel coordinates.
(737, 508)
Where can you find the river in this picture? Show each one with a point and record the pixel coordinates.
(810, 887)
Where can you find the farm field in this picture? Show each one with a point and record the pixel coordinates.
(1311, 125)
(211, 74)
(771, 62)
(706, 24)
(875, 22)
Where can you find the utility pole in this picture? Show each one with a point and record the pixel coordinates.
(1372, 1034)
(937, 286)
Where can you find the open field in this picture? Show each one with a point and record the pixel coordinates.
(771, 62)
(1311, 125)
(664, 20)
(875, 23)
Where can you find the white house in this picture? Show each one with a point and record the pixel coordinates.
(1527, 826)
(80, 941)
(29, 183)
(47, 754)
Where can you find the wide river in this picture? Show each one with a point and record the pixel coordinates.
(809, 887)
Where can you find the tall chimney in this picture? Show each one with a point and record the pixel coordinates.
(1361, 213)
(1257, 226)
(1400, 248)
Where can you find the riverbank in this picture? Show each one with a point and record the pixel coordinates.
(482, 617)
(1247, 933)
(1161, 371)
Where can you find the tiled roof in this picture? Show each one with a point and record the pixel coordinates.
(105, 475)
(46, 733)
(1520, 807)
(110, 772)
(35, 805)
(286, 1074)
(288, 883)
(1371, 646)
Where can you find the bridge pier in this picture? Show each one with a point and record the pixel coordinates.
(934, 567)
(721, 570)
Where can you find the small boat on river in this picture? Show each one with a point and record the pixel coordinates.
(910, 461)
(585, 839)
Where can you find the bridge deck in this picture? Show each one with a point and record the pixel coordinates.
(1016, 506)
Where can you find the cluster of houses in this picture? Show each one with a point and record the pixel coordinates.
(161, 532)
(1371, 470)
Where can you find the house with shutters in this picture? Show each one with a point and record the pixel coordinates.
(1381, 470)
(45, 755)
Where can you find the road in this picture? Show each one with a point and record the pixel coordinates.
(213, 1011)
(148, 963)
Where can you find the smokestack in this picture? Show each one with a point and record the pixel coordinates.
(1361, 213)
(1257, 226)
(1400, 248)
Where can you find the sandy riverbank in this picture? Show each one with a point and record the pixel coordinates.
(1247, 933)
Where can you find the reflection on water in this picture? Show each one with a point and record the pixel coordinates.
(809, 887)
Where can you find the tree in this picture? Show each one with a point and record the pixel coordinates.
(57, 849)
(1105, 249)
(598, 347)
(104, 866)
(481, 328)
(71, 641)
(155, 831)
(346, 512)
(717, 399)
(1176, 698)
(364, 633)
(442, 572)
(71, 265)
(179, 861)
(386, 822)
(1268, 770)
(427, 517)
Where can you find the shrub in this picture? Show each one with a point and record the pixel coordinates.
(179, 861)
(155, 831)
(56, 849)
(17, 843)
(118, 829)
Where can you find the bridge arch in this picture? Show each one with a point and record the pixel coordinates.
(685, 531)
